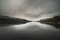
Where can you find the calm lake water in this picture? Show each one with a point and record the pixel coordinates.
(30, 30)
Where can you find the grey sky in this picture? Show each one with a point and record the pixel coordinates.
(32, 10)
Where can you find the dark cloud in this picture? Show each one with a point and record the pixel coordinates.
(30, 9)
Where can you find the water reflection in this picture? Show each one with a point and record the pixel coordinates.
(30, 30)
(31, 26)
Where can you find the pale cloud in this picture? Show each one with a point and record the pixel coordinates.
(33, 10)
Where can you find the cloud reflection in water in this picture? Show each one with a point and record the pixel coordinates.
(32, 26)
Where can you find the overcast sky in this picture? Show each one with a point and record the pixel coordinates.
(32, 10)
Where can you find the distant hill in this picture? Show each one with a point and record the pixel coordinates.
(52, 21)
(6, 20)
